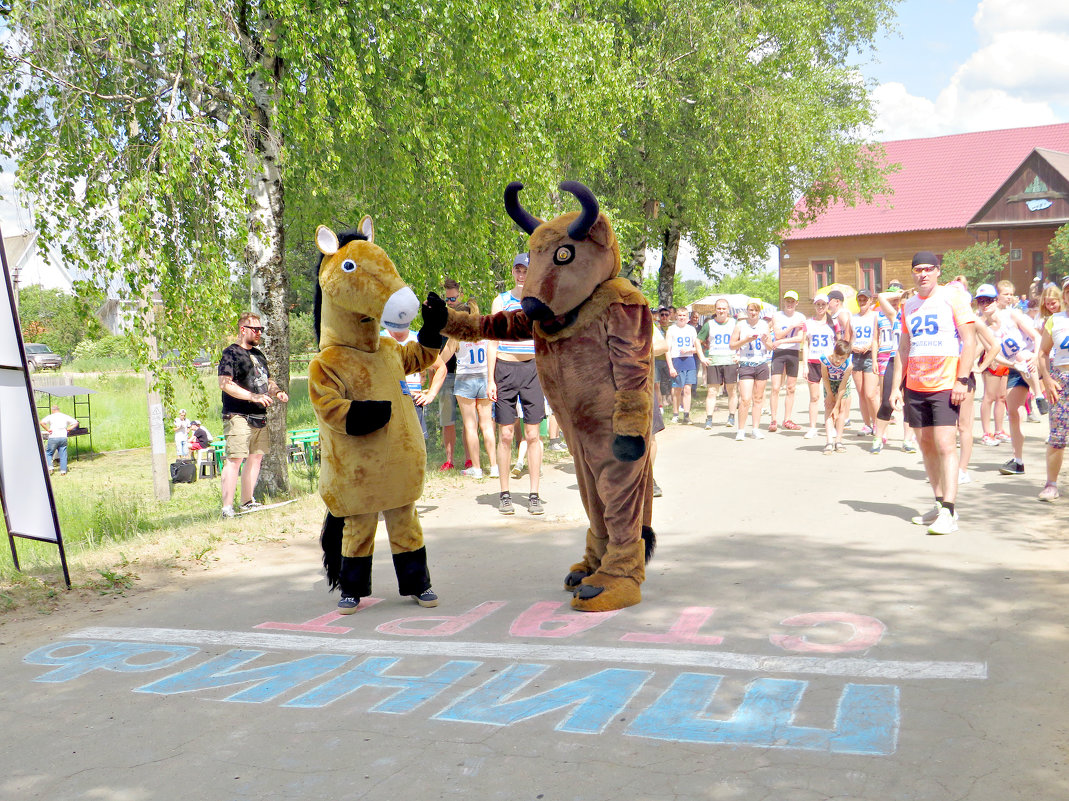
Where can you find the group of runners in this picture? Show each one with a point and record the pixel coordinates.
(917, 349)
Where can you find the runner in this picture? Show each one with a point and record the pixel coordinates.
(993, 403)
(835, 375)
(1054, 368)
(819, 341)
(936, 355)
(864, 348)
(890, 332)
(1018, 340)
(838, 317)
(752, 341)
(788, 331)
(722, 371)
(683, 357)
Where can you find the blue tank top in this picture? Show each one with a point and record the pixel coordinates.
(525, 347)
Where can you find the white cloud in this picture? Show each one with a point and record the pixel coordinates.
(1018, 77)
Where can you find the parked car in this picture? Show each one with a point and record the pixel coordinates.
(41, 357)
(172, 357)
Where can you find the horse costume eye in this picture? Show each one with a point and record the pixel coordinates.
(348, 266)
(564, 254)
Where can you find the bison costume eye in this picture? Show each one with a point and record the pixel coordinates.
(564, 254)
(348, 266)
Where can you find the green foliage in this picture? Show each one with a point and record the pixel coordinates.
(981, 263)
(109, 347)
(302, 334)
(1058, 253)
(754, 283)
(54, 318)
(683, 292)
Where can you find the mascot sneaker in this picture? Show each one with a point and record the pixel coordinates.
(427, 599)
(347, 605)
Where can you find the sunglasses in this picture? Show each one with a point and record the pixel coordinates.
(920, 269)
(453, 299)
(984, 301)
(256, 328)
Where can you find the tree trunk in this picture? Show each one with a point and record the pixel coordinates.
(667, 276)
(263, 258)
(635, 269)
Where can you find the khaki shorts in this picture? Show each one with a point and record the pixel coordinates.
(242, 439)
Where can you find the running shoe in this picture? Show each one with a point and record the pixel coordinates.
(741, 435)
(928, 517)
(504, 505)
(494, 473)
(909, 446)
(249, 505)
(772, 427)
(675, 418)
(1033, 418)
(517, 471)
(1012, 468)
(467, 464)
(534, 504)
(347, 604)
(228, 511)
(758, 433)
(1002, 436)
(989, 440)
(428, 598)
(708, 422)
(731, 421)
(964, 477)
(1049, 493)
(877, 445)
(472, 472)
(790, 425)
(450, 466)
(1042, 406)
(866, 431)
(657, 493)
(686, 419)
(810, 434)
(557, 445)
(946, 522)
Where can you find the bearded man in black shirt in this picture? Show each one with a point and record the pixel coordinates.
(248, 391)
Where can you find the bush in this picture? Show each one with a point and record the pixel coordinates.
(302, 334)
(109, 347)
(981, 263)
(55, 319)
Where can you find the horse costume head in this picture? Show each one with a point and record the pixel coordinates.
(570, 256)
(358, 290)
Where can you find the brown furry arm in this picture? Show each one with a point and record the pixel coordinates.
(327, 393)
(504, 326)
(630, 329)
(415, 357)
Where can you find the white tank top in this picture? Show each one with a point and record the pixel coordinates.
(471, 358)
(719, 341)
(864, 330)
(1012, 339)
(1059, 331)
(753, 352)
(525, 347)
(820, 340)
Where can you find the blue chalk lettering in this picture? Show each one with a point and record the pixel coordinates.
(866, 720)
(411, 691)
(88, 656)
(270, 681)
(597, 698)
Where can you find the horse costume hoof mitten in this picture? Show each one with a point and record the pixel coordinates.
(373, 452)
(593, 336)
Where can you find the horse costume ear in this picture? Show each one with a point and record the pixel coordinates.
(367, 228)
(326, 241)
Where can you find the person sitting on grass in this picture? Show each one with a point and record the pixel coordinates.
(836, 377)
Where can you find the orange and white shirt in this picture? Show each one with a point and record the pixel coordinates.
(934, 347)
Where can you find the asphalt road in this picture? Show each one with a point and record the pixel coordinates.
(798, 639)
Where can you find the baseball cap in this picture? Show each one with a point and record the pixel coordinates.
(894, 284)
(986, 291)
(835, 294)
(1065, 282)
(521, 258)
(820, 298)
(925, 257)
(863, 293)
(790, 293)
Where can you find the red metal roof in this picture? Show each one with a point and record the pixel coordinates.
(942, 183)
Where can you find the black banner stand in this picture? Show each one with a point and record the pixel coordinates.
(26, 495)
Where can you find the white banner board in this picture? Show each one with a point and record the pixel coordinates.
(25, 491)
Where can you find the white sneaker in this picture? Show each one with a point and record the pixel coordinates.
(928, 517)
(945, 523)
(758, 433)
(675, 418)
(741, 435)
(472, 472)
(964, 477)
(494, 473)
(810, 434)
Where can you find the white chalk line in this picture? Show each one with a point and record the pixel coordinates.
(861, 668)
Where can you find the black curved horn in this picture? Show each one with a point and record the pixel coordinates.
(527, 221)
(581, 227)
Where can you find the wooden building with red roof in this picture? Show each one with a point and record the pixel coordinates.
(947, 193)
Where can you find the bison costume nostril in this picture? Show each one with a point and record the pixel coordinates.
(536, 309)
